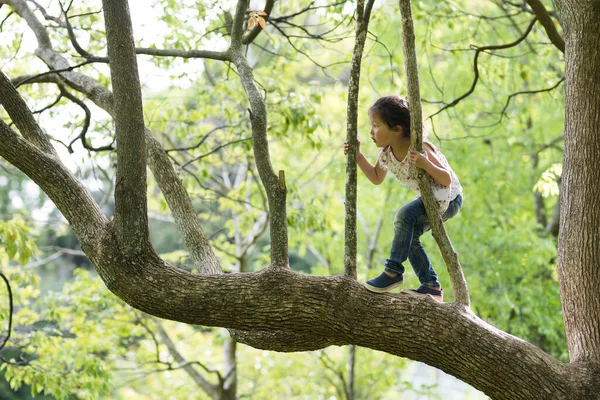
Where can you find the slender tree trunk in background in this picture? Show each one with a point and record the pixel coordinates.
(540, 209)
(230, 363)
(579, 231)
(351, 373)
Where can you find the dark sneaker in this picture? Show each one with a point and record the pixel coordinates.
(384, 283)
(437, 294)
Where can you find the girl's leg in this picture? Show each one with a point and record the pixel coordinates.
(418, 257)
(404, 225)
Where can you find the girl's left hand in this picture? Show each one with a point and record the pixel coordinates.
(418, 159)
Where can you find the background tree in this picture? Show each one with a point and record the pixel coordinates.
(483, 349)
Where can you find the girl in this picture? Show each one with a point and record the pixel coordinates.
(390, 131)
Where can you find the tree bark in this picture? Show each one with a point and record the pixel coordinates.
(338, 309)
(579, 231)
(131, 211)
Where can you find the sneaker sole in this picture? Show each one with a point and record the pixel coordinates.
(439, 299)
(382, 290)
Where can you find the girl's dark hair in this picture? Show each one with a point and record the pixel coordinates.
(393, 110)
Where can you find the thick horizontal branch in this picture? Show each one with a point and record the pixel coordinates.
(311, 312)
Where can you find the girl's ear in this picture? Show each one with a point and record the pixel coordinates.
(398, 130)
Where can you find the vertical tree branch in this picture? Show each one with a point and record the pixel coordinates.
(362, 24)
(274, 184)
(237, 27)
(131, 213)
(414, 98)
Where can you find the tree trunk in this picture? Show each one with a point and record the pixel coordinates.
(363, 14)
(579, 231)
(131, 211)
(230, 376)
(350, 380)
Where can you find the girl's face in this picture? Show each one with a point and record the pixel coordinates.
(381, 134)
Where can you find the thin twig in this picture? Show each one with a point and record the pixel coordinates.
(213, 151)
(202, 140)
(73, 38)
(52, 71)
(528, 92)
(10, 308)
(478, 51)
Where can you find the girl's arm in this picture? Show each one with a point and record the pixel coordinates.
(374, 173)
(430, 163)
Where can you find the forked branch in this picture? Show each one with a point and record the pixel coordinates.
(478, 51)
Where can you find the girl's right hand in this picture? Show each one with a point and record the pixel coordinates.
(357, 147)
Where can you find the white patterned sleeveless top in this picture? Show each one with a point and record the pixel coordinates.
(444, 195)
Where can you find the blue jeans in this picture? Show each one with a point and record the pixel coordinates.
(409, 225)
